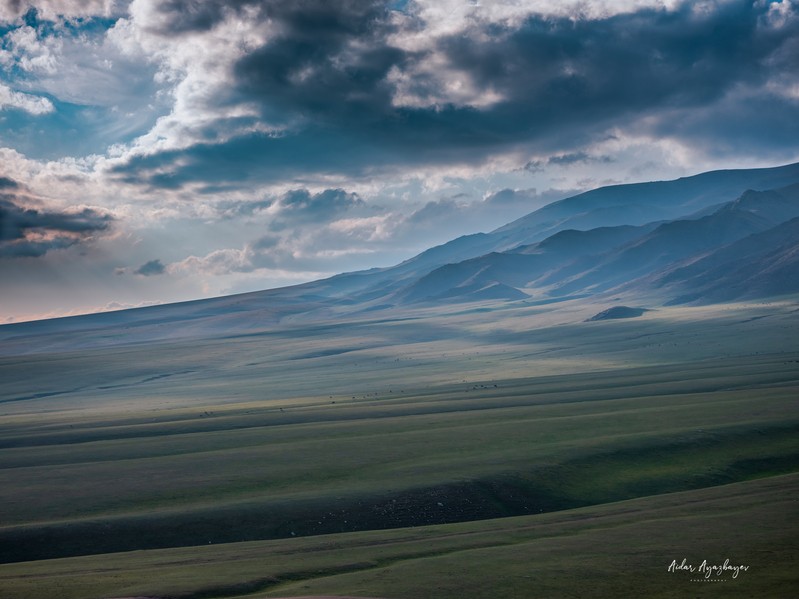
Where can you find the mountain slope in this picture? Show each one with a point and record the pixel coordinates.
(616, 205)
(639, 203)
(520, 266)
(580, 262)
(668, 243)
(563, 248)
(761, 265)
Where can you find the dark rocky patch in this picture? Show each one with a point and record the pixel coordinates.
(618, 312)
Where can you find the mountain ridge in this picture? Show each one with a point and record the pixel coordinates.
(544, 255)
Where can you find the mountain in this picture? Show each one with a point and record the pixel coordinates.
(519, 267)
(640, 203)
(616, 205)
(711, 237)
(589, 262)
(668, 243)
(377, 282)
(761, 265)
(636, 204)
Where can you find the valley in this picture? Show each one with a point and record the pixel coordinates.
(489, 415)
(430, 417)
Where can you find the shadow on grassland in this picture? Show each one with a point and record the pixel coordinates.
(693, 462)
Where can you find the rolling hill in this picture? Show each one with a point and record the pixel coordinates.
(473, 422)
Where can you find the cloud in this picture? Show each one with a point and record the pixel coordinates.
(29, 51)
(30, 103)
(577, 158)
(299, 206)
(238, 139)
(85, 91)
(116, 305)
(434, 211)
(567, 159)
(296, 207)
(32, 232)
(175, 17)
(355, 89)
(11, 10)
(151, 268)
(333, 230)
(307, 232)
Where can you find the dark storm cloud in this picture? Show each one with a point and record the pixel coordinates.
(313, 68)
(151, 268)
(255, 157)
(561, 82)
(189, 16)
(30, 232)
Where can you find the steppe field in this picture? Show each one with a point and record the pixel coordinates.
(495, 450)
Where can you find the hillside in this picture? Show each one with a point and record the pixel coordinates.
(498, 419)
(587, 244)
(574, 262)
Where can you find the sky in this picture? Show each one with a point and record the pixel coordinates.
(159, 151)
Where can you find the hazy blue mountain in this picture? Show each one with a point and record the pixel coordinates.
(668, 243)
(579, 262)
(701, 238)
(378, 282)
(774, 205)
(572, 242)
(631, 204)
(519, 267)
(640, 203)
(760, 265)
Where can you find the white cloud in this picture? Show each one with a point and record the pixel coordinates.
(780, 14)
(219, 262)
(53, 9)
(82, 66)
(367, 230)
(195, 69)
(433, 82)
(445, 17)
(30, 52)
(36, 105)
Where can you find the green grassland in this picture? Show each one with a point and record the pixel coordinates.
(291, 460)
(615, 550)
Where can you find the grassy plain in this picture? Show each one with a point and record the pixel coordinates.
(192, 453)
(614, 550)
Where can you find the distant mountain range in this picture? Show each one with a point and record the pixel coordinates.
(718, 236)
(633, 237)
